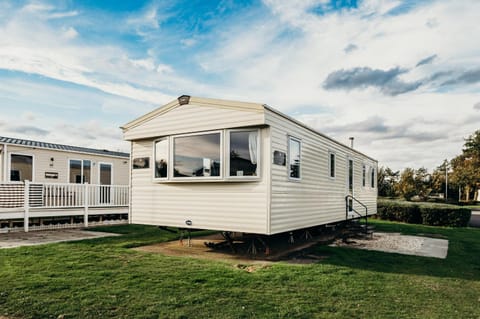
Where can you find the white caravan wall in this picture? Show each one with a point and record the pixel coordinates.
(41, 164)
(194, 118)
(227, 206)
(316, 199)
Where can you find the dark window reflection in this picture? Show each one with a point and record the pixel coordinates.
(294, 158)
(21, 168)
(243, 153)
(161, 156)
(350, 175)
(197, 155)
(332, 165)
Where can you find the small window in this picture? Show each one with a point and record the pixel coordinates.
(197, 156)
(243, 153)
(372, 180)
(350, 176)
(161, 158)
(21, 168)
(364, 175)
(331, 165)
(279, 158)
(141, 162)
(294, 158)
(80, 171)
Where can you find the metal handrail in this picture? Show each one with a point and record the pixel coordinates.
(347, 206)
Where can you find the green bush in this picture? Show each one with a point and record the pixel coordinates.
(455, 217)
(423, 213)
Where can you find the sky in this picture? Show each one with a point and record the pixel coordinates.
(402, 77)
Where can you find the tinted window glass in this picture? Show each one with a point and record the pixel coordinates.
(294, 158)
(75, 171)
(332, 165)
(243, 153)
(197, 155)
(161, 158)
(350, 175)
(21, 167)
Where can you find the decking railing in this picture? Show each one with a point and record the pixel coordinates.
(26, 196)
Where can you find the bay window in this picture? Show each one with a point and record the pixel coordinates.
(205, 156)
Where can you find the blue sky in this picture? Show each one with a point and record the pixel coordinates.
(403, 77)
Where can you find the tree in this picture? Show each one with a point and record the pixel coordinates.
(406, 185)
(387, 181)
(466, 168)
(415, 183)
(472, 145)
(422, 183)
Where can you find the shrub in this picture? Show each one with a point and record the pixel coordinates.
(440, 216)
(423, 213)
(398, 211)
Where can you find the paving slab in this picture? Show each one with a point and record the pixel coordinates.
(19, 239)
(475, 219)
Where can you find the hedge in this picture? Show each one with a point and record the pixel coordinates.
(426, 214)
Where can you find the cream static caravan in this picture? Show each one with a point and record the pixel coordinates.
(43, 162)
(241, 167)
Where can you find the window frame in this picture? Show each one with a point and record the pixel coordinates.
(227, 154)
(9, 171)
(330, 153)
(170, 173)
(169, 159)
(82, 175)
(296, 139)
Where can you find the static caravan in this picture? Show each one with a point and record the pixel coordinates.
(49, 186)
(242, 167)
(42, 162)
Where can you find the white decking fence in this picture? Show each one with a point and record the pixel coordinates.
(42, 198)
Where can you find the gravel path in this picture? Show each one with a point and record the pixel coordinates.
(12, 240)
(401, 244)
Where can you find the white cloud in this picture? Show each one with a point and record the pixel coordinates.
(188, 42)
(288, 71)
(281, 58)
(70, 33)
(29, 116)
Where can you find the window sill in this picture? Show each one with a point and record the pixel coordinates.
(206, 180)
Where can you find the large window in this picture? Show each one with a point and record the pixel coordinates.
(161, 158)
(331, 164)
(294, 158)
(243, 153)
(21, 167)
(197, 155)
(80, 171)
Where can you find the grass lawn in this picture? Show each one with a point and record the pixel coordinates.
(103, 278)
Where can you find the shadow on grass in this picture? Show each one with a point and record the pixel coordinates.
(462, 261)
(136, 235)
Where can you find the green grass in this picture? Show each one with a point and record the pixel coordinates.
(103, 278)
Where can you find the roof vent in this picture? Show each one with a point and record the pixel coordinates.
(184, 99)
